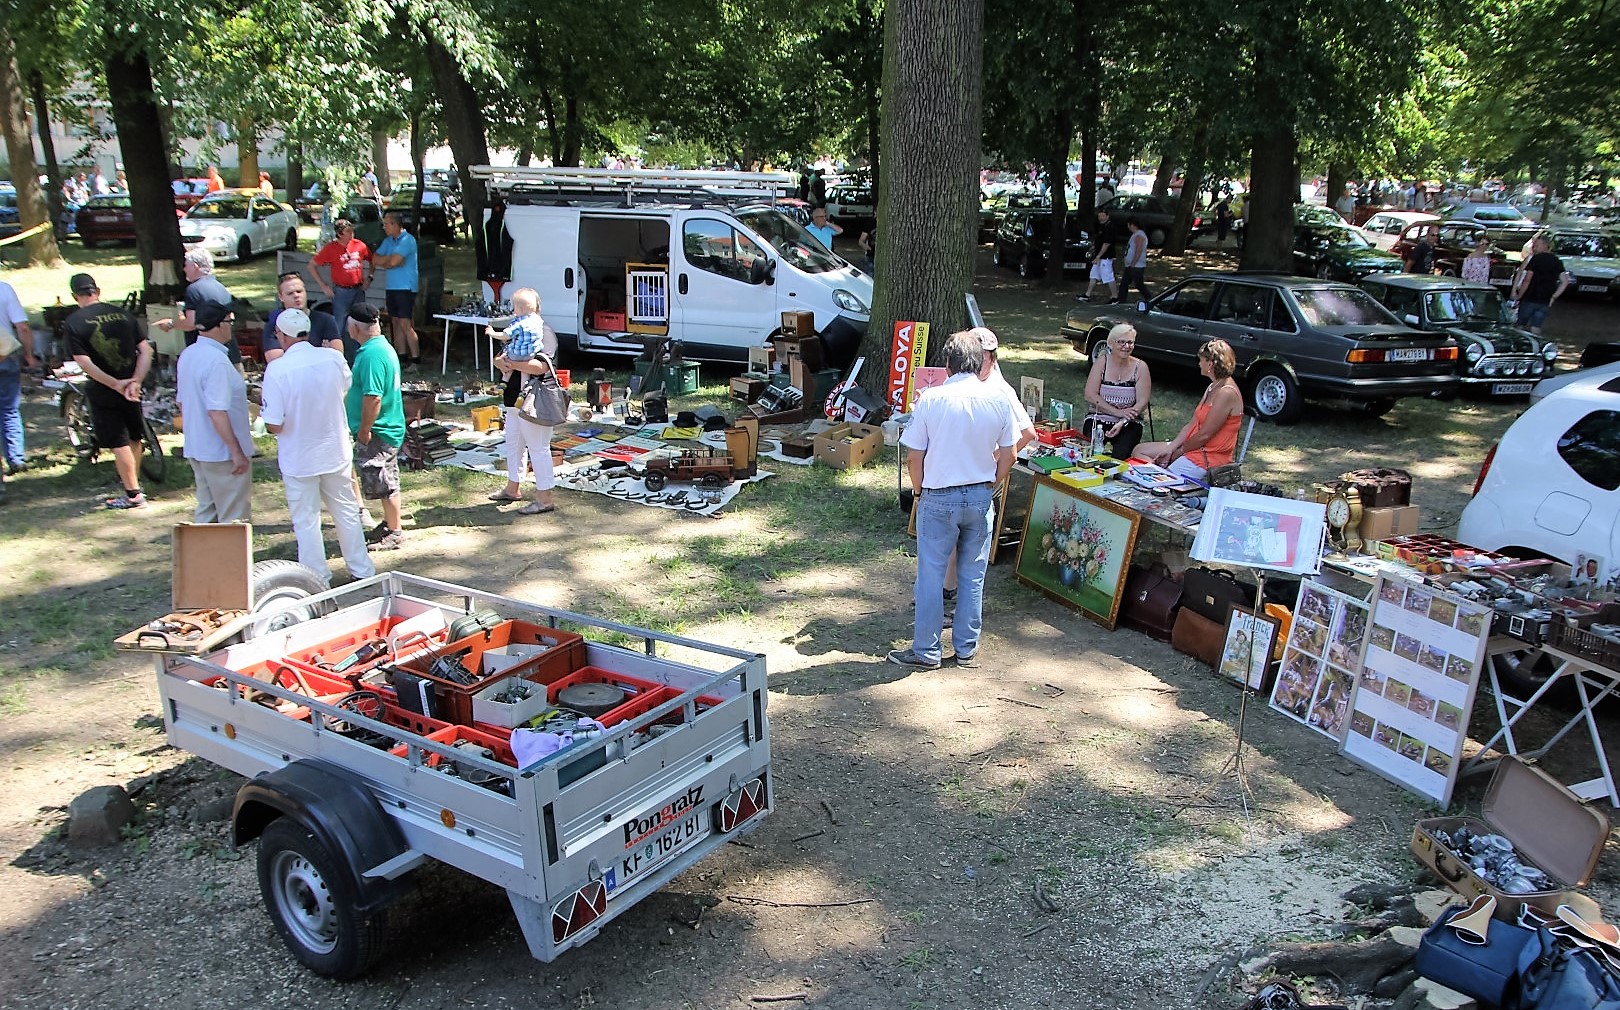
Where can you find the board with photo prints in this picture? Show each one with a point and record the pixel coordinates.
(1419, 672)
(1321, 659)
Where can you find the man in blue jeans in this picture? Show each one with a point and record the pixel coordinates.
(13, 321)
(961, 438)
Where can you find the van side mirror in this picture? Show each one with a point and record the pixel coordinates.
(770, 271)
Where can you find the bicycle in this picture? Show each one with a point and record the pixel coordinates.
(74, 409)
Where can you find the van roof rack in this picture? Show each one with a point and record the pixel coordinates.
(627, 186)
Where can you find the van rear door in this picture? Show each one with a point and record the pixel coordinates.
(723, 304)
(545, 256)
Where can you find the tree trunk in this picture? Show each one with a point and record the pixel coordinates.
(379, 160)
(553, 134)
(1187, 205)
(464, 120)
(933, 86)
(47, 144)
(1268, 217)
(525, 154)
(1337, 176)
(32, 210)
(247, 152)
(573, 130)
(1161, 179)
(1090, 113)
(295, 170)
(146, 166)
(1057, 170)
(418, 168)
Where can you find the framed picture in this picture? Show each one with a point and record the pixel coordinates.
(1076, 549)
(1032, 393)
(1259, 531)
(1247, 650)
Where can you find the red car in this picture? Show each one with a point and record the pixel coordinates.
(188, 191)
(105, 218)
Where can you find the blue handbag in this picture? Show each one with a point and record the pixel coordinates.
(1573, 980)
(1497, 963)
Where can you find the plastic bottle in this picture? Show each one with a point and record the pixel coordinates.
(1096, 439)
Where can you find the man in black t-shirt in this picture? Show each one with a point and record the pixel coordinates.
(1541, 280)
(1105, 239)
(108, 344)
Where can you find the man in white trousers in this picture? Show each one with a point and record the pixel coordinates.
(304, 408)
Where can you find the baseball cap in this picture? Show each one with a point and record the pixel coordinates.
(210, 315)
(82, 284)
(361, 312)
(293, 323)
(987, 338)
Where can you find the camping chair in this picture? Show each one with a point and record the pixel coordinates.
(1230, 474)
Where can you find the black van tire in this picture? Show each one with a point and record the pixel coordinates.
(306, 893)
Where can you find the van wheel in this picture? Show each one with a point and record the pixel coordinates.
(1275, 394)
(281, 584)
(1523, 673)
(307, 895)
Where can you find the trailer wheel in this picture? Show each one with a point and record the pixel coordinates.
(307, 896)
(279, 583)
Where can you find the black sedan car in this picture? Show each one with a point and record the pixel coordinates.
(1022, 242)
(1154, 213)
(1497, 358)
(441, 212)
(1294, 338)
(1339, 252)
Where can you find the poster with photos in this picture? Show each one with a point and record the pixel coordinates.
(1320, 657)
(1419, 672)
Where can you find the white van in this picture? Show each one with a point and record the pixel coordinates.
(619, 256)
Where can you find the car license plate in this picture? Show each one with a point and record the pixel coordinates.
(1073, 266)
(1511, 388)
(1594, 288)
(104, 217)
(648, 854)
(1409, 354)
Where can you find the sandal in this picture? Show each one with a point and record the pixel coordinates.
(534, 508)
(502, 497)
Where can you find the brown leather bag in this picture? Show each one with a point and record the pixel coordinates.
(1198, 636)
(1151, 600)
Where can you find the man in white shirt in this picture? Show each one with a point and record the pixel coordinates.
(213, 403)
(961, 438)
(304, 408)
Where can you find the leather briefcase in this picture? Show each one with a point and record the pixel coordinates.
(1212, 592)
(1151, 600)
(1198, 636)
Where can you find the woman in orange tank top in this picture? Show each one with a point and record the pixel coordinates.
(1210, 439)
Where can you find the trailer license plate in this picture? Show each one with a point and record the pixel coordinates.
(1409, 354)
(1510, 388)
(660, 848)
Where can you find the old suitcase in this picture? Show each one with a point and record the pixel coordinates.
(1380, 487)
(1212, 592)
(1151, 600)
(1197, 636)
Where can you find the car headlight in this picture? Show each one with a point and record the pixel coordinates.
(849, 302)
(1474, 352)
(1549, 352)
(1536, 368)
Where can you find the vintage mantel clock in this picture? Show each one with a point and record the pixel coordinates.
(1343, 503)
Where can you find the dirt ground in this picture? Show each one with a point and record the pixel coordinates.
(1096, 764)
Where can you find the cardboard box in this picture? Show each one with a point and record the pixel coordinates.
(1548, 825)
(799, 324)
(1393, 521)
(848, 446)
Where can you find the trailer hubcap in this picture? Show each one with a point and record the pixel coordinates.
(305, 902)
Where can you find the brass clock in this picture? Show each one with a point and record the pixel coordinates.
(1344, 518)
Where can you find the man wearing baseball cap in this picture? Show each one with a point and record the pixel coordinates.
(303, 407)
(107, 343)
(213, 404)
(377, 422)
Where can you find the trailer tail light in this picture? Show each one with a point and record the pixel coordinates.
(1484, 468)
(578, 910)
(742, 804)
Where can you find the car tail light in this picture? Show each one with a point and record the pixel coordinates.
(578, 910)
(1484, 468)
(742, 804)
(1445, 353)
(1364, 356)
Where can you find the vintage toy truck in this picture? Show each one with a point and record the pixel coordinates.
(373, 742)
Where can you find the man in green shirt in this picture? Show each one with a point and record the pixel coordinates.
(377, 422)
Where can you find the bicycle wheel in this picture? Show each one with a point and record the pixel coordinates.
(154, 464)
(81, 434)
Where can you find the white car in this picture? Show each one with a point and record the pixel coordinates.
(1492, 215)
(1384, 228)
(1551, 486)
(237, 225)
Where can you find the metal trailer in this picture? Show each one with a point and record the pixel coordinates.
(576, 838)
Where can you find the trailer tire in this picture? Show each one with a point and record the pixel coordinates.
(278, 583)
(306, 893)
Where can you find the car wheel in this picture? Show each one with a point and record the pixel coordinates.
(1325, 272)
(1448, 271)
(996, 259)
(244, 250)
(1099, 348)
(1274, 394)
(1378, 407)
(1156, 237)
(1027, 268)
(89, 243)
(291, 244)
(307, 894)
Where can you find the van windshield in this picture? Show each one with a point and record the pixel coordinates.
(800, 248)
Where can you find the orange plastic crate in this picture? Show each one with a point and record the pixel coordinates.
(452, 735)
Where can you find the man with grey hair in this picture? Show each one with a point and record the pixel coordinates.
(961, 438)
(202, 288)
(213, 400)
